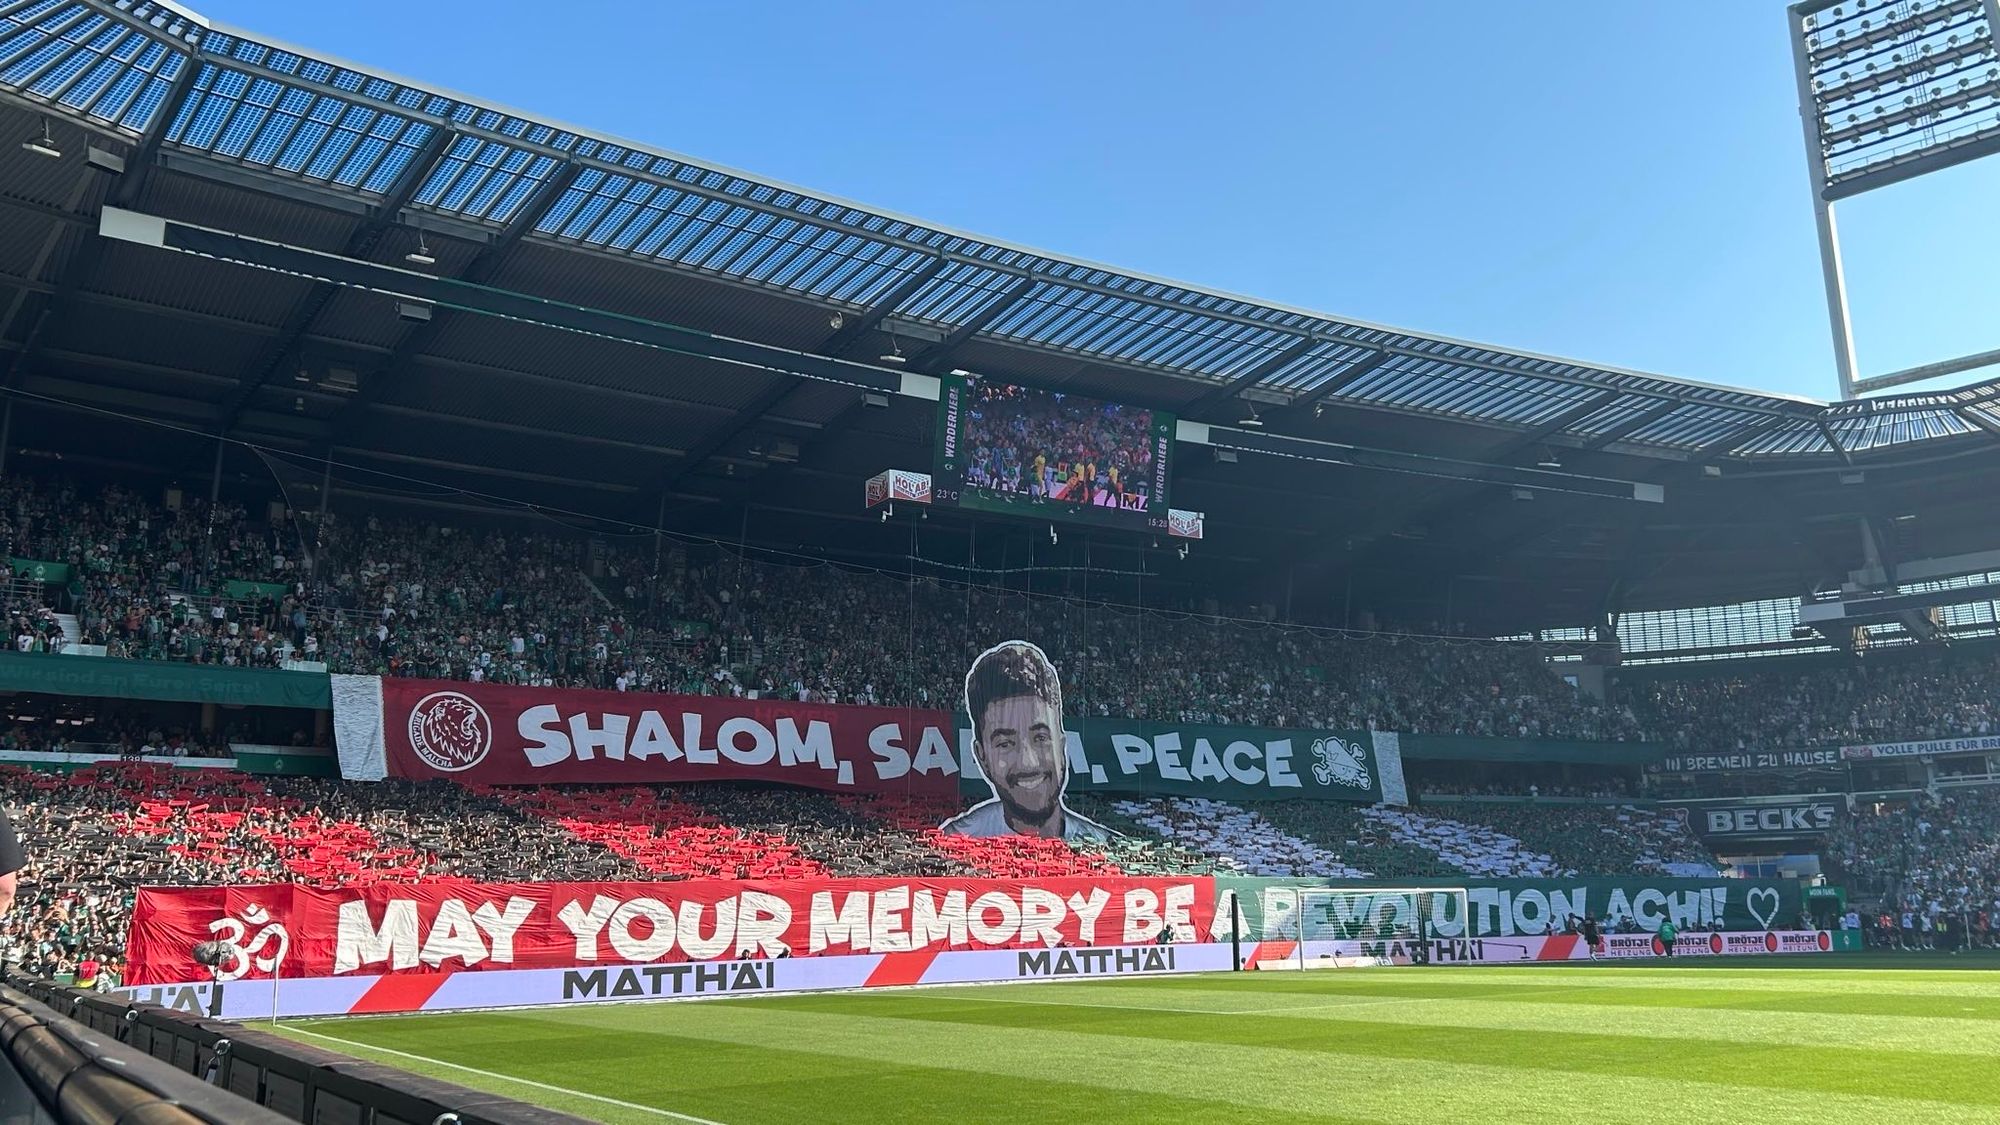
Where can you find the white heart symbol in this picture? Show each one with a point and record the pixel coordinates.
(1765, 915)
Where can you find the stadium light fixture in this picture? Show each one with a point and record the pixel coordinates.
(44, 143)
(836, 322)
(1250, 416)
(1549, 459)
(1524, 494)
(422, 255)
(895, 353)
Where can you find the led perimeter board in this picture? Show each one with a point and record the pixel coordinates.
(1049, 455)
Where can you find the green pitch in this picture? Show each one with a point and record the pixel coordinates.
(1763, 1041)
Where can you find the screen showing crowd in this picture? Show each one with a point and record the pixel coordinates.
(1051, 446)
(1051, 455)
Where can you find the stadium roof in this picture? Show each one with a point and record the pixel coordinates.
(209, 125)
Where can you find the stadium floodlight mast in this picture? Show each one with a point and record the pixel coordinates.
(1890, 90)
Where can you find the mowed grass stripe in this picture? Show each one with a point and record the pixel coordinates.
(1457, 980)
(1842, 997)
(1624, 1048)
(1186, 1060)
(1910, 1031)
(731, 1083)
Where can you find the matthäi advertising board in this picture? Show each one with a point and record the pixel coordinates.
(1279, 955)
(262, 998)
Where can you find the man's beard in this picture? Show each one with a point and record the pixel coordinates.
(1023, 814)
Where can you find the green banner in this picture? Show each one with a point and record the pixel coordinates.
(1518, 907)
(51, 573)
(1194, 760)
(286, 761)
(1476, 748)
(240, 589)
(296, 763)
(158, 679)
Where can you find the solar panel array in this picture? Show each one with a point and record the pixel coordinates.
(132, 67)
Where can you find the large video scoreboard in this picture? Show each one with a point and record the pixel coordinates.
(1050, 455)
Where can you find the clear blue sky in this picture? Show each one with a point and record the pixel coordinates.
(1622, 183)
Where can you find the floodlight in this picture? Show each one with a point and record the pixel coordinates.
(44, 143)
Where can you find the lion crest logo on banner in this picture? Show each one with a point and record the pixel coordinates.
(1336, 762)
(450, 731)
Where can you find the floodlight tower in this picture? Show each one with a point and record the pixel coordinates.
(1890, 90)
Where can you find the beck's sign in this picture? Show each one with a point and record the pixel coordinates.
(1805, 818)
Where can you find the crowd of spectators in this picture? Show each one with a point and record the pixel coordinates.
(1592, 838)
(546, 607)
(1929, 859)
(520, 606)
(1883, 697)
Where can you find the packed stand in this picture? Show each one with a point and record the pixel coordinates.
(1883, 697)
(1244, 842)
(126, 825)
(542, 607)
(1934, 860)
(1348, 831)
(130, 825)
(416, 598)
(1592, 837)
(1471, 848)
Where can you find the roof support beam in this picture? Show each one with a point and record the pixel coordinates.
(730, 429)
(140, 164)
(1358, 370)
(851, 331)
(846, 337)
(1634, 424)
(298, 323)
(937, 354)
(84, 259)
(1735, 439)
(1978, 419)
(1222, 394)
(417, 340)
(1451, 499)
(1826, 432)
(1553, 428)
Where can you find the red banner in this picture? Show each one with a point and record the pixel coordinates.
(294, 932)
(505, 735)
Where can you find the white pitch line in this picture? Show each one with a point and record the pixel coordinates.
(1275, 1011)
(692, 1120)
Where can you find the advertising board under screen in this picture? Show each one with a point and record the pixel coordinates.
(1050, 455)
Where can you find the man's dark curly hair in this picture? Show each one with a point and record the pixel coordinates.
(1006, 670)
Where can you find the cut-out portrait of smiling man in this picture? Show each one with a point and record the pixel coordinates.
(1014, 698)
